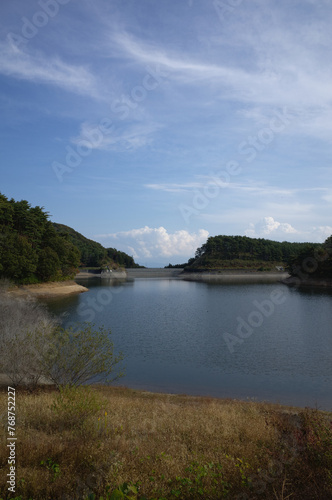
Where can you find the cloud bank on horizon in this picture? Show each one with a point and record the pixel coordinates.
(156, 124)
(151, 246)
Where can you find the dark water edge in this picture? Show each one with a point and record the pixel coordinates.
(172, 335)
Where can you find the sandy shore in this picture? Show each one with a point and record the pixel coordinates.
(54, 289)
(236, 277)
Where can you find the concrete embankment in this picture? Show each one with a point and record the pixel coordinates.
(104, 274)
(209, 276)
(154, 273)
(227, 276)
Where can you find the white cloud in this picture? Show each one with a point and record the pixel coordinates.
(269, 227)
(156, 244)
(272, 229)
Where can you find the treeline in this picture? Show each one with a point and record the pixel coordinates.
(242, 252)
(31, 250)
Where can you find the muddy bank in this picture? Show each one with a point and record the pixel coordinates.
(54, 289)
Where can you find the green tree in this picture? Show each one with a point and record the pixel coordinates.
(17, 257)
(48, 264)
(30, 248)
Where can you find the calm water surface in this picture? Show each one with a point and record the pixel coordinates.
(185, 337)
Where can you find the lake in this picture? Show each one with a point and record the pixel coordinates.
(245, 341)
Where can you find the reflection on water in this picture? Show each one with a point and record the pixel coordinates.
(264, 341)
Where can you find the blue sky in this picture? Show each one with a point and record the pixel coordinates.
(150, 125)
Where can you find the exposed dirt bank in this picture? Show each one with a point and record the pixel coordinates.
(309, 282)
(54, 289)
(236, 276)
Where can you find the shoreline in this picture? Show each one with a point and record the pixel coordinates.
(46, 385)
(294, 281)
(50, 289)
(236, 276)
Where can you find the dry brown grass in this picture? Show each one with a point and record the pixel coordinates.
(170, 446)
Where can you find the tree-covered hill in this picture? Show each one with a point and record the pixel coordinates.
(93, 254)
(242, 252)
(121, 258)
(31, 250)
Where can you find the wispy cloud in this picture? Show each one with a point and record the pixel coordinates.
(270, 79)
(41, 69)
(175, 187)
(180, 66)
(259, 189)
(130, 138)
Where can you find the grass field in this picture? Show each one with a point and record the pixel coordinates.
(108, 442)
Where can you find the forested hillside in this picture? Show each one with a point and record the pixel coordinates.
(93, 254)
(121, 258)
(31, 251)
(242, 252)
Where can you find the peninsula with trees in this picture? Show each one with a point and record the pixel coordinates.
(34, 250)
(305, 263)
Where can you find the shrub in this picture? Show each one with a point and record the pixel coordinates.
(80, 356)
(33, 346)
(22, 324)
